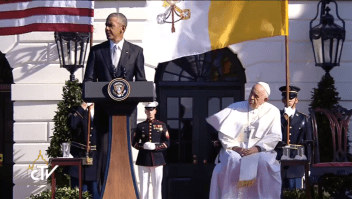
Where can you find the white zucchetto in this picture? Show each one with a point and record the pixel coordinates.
(266, 87)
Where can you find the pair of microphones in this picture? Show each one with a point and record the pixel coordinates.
(121, 74)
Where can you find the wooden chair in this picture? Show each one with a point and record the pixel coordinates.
(339, 118)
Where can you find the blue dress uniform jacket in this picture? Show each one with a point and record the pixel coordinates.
(300, 128)
(78, 123)
(151, 131)
(300, 132)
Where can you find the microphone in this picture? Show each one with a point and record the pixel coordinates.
(123, 72)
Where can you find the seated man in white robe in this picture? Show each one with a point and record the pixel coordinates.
(246, 166)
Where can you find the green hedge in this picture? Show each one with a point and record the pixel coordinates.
(72, 96)
(61, 193)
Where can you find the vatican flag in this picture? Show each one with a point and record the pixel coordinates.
(182, 28)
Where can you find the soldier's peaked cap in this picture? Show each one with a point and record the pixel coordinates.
(151, 104)
(293, 91)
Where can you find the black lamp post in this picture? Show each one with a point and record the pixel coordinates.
(72, 48)
(327, 37)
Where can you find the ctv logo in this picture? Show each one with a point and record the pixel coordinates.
(42, 169)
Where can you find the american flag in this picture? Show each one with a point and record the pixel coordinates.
(17, 17)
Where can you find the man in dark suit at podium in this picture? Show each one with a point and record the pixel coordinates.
(114, 58)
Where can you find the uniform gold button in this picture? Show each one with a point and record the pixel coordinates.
(290, 134)
(91, 128)
(290, 127)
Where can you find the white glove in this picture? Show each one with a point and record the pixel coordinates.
(289, 111)
(149, 146)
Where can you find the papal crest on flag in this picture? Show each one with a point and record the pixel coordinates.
(17, 17)
(210, 25)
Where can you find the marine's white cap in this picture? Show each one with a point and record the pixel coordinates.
(151, 104)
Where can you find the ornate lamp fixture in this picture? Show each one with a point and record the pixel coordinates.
(327, 37)
(72, 48)
(173, 10)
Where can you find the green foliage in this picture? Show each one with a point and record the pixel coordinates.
(301, 194)
(325, 96)
(61, 193)
(337, 186)
(294, 194)
(72, 96)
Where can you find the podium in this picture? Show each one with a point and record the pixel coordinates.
(119, 180)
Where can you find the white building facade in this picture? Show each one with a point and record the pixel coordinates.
(38, 78)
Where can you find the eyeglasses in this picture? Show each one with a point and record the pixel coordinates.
(149, 108)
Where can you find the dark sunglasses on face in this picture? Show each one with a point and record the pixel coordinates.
(149, 108)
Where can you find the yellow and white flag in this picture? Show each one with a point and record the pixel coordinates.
(209, 25)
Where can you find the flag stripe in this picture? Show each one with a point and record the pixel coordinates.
(46, 16)
(20, 6)
(46, 27)
(45, 19)
(46, 11)
(13, 1)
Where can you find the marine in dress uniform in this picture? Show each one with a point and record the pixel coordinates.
(300, 132)
(78, 124)
(151, 137)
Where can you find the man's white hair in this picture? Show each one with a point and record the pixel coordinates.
(266, 88)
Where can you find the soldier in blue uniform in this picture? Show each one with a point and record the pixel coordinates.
(151, 137)
(300, 133)
(78, 124)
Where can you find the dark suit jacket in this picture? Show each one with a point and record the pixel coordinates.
(78, 124)
(99, 65)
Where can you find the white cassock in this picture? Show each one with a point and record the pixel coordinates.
(239, 125)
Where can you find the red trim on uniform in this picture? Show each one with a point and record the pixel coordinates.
(151, 154)
(47, 27)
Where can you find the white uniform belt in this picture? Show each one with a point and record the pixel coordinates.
(83, 146)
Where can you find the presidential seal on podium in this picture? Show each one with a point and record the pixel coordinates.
(119, 89)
